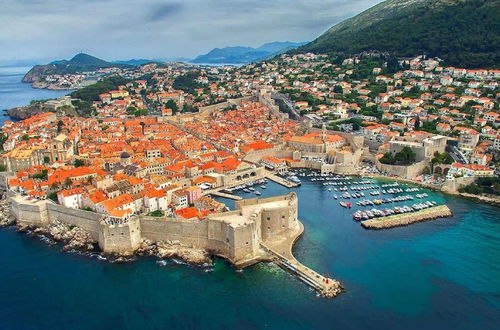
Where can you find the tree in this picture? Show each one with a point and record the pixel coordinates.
(40, 175)
(60, 124)
(170, 104)
(387, 159)
(442, 158)
(52, 196)
(187, 82)
(78, 163)
(3, 138)
(405, 156)
(417, 123)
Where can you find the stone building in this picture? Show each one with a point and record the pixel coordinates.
(59, 148)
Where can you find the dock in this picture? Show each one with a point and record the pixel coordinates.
(281, 181)
(281, 253)
(404, 219)
(225, 195)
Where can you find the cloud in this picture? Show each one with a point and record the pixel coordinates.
(166, 10)
(121, 29)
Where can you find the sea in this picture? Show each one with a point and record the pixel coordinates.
(441, 274)
(14, 93)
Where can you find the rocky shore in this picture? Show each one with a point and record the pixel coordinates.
(405, 219)
(494, 200)
(6, 219)
(72, 237)
(173, 249)
(75, 238)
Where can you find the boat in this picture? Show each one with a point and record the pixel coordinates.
(263, 187)
(257, 193)
(246, 190)
(335, 196)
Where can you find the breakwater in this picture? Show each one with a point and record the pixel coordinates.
(404, 219)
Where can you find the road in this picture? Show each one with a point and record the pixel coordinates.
(458, 156)
(288, 103)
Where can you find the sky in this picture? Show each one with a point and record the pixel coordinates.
(34, 31)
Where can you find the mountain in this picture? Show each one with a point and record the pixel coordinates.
(280, 46)
(243, 55)
(79, 63)
(134, 62)
(461, 32)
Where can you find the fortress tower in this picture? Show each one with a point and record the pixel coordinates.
(118, 237)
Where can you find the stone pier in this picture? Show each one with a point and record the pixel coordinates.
(280, 180)
(280, 252)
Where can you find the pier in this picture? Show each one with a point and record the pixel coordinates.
(225, 195)
(281, 254)
(404, 219)
(281, 181)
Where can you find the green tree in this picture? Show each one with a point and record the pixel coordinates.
(170, 104)
(60, 124)
(78, 162)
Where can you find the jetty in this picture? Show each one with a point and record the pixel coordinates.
(281, 181)
(225, 195)
(280, 253)
(404, 219)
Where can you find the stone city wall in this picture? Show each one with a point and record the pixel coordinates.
(452, 186)
(405, 172)
(238, 242)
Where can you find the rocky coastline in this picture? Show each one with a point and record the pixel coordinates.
(74, 238)
(405, 219)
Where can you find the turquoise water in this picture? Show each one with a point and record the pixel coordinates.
(13, 93)
(440, 274)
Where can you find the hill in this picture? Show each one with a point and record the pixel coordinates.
(461, 32)
(244, 55)
(79, 63)
(134, 62)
